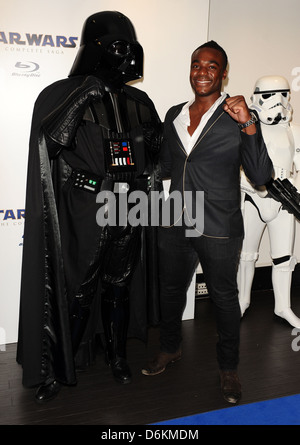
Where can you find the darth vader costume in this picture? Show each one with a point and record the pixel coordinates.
(90, 133)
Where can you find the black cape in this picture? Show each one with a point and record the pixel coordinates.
(59, 241)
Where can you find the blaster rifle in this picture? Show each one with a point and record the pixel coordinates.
(283, 191)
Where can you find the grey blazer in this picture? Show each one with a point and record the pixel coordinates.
(213, 166)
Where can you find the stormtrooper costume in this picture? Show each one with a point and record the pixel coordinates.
(271, 101)
(91, 132)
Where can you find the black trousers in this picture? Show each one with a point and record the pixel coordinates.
(179, 255)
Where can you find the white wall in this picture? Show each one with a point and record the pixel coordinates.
(261, 37)
(169, 30)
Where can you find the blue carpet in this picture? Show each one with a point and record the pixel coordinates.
(282, 411)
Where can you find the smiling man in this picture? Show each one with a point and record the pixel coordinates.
(206, 141)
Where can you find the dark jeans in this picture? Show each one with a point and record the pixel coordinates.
(178, 258)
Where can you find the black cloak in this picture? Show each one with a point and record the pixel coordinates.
(60, 236)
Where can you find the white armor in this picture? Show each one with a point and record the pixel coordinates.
(271, 101)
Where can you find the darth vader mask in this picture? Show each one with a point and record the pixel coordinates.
(109, 49)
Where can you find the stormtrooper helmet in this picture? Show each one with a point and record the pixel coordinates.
(271, 100)
(109, 49)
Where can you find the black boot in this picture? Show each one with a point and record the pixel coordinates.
(115, 317)
(47, 391)
(83, 320)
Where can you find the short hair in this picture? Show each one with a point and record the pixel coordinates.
(214, 45)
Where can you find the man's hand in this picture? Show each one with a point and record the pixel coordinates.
(237, 108)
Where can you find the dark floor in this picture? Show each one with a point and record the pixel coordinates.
(269, 368)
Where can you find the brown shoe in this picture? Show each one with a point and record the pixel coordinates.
(230, 386)
(159, 364)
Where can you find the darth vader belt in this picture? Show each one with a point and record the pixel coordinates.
(86, 181)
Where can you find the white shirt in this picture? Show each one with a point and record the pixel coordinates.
(182, 122)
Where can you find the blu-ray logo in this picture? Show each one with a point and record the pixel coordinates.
(27, 66)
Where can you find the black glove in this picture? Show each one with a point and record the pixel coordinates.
(152, 136)
(61, 125)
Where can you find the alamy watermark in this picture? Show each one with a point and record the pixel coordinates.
(152, 209)
(296, 342)
(295, 86)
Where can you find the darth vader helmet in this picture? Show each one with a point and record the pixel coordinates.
(109, 49)
(271, 100)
